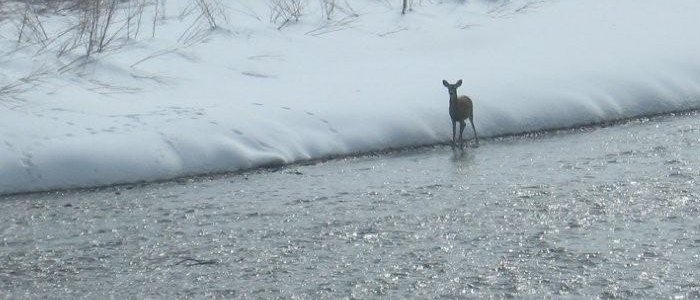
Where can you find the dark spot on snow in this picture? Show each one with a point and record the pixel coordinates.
(263, 144)
(467, 26)
(256, 75)
(294, 172)
(27, 160)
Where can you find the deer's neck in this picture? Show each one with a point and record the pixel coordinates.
(453, 99)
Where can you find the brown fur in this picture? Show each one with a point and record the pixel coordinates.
(463, 108)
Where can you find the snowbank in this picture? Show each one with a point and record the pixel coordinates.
(254, 95)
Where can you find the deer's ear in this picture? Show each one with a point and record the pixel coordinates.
(459, 83)
(444, 82)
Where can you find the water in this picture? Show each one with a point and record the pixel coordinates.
(594, 212)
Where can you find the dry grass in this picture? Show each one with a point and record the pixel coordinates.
(11, 93)
(209, 13)
(286, 12)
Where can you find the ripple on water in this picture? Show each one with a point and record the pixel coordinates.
(521, 218)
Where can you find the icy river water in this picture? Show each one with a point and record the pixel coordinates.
(591, 212)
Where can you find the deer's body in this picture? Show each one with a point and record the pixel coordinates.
(461, 109)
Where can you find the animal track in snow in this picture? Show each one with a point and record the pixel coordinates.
(27, 160)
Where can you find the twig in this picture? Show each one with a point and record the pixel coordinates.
(392, 32)
(333, 26)
(154, 55)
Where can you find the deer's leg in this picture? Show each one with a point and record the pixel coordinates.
(462, 124)
(454, 130)
(476, 137)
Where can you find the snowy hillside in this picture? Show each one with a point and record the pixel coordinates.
(248, 94)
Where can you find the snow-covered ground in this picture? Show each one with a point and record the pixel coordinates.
(249, 94)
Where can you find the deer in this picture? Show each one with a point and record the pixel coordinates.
(461, 108)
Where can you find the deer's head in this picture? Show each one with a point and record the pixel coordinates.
(452, 88)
